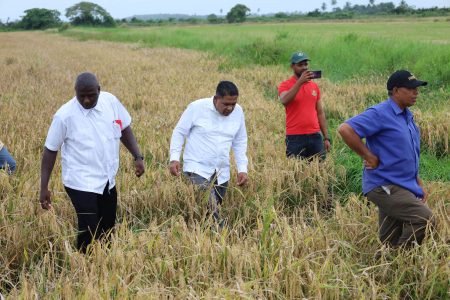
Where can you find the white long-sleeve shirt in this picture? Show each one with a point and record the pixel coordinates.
(210, 136)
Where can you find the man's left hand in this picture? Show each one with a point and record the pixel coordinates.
(242, 178)
(139, 167)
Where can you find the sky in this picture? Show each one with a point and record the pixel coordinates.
(14, 9)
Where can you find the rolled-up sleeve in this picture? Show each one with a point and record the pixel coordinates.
(56, 134)
(366, 123)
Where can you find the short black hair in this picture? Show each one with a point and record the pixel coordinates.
(226, 88)
(86, 79)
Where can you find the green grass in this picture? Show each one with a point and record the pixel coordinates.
(341, 50)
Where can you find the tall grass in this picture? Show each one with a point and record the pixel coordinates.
(281, 241)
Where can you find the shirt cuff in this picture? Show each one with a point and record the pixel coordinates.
(50, 147)
(242, 169)
(175, 156)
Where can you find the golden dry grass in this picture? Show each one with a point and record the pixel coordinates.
(278, 243)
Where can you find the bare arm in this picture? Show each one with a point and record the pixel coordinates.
(355, 143)
(287, 96)
(47, 164)
(323, 125)
(129, 141)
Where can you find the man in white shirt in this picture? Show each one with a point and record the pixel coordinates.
(211, 126)
(88, 129)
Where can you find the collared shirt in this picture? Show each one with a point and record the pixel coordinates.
(394, 138)
(210, 136)
(89, 142)
(301, 112)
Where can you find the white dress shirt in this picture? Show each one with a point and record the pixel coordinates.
(89, 141)
(210, 136)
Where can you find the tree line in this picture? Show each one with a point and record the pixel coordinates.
(91, 14)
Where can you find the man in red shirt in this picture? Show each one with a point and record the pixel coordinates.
(306, 126)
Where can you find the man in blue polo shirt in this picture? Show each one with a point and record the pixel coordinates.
(391, 161)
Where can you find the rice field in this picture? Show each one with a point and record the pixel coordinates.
(280, 241)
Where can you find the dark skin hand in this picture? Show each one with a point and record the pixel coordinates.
(48, 162)
(129, 141)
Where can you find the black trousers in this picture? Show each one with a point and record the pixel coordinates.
(305, 146)
(96, 214)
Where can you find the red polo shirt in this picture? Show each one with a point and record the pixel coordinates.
(301, 113)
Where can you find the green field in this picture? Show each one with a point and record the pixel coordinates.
(342, 50)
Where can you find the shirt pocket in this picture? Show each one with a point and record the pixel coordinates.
(116, 130)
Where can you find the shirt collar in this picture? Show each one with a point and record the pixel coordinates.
(398, 110)
(98, 107)
(211, 105)
(395, 107)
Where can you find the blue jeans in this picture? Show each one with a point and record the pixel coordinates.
(7, 162)
(305, 145)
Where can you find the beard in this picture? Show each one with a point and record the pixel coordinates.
(298, 74)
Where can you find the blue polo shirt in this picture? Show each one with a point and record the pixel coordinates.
(394, 138)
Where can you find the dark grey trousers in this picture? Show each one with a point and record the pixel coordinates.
(403, 218)
(216, 191)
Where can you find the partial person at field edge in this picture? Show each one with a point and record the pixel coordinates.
(88, 129)
(211, 127)
(7, 162)
(391, 161)
(306, 125)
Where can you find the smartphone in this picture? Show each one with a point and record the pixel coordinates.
(316, 74)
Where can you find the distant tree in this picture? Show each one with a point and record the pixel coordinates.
(314, 13)
(347, 6)
(87, 13)
(280, 15)
(403, 8)
(40, 18)
(192, 20)
(324, 6)
(238, 13)
(213, 19)
(333, 2)
(372, 2)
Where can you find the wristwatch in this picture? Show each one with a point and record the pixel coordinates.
(139, 156)
(327, 139)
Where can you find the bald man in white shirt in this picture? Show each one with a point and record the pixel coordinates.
(88, 129)
(211, 127)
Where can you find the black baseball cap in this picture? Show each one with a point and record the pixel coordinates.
(403, 78)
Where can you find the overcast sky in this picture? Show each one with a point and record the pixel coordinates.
(13, 9)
